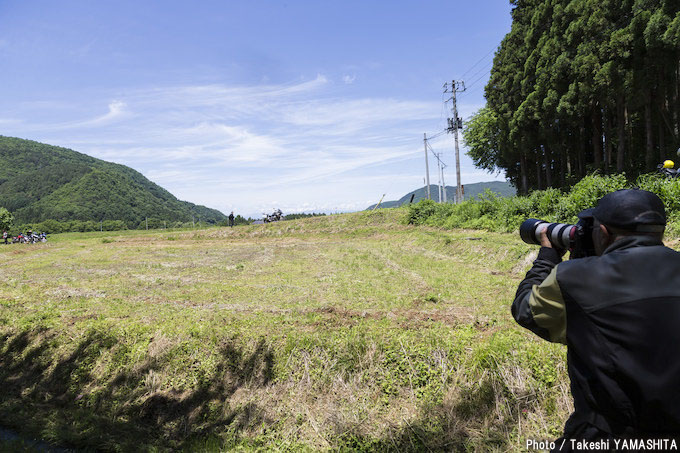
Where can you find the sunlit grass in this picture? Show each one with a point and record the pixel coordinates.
(344, 331)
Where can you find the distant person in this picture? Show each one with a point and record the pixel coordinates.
(4, 236)
(231, 219)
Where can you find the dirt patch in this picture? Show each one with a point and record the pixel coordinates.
(76, 319)
(407, 318)
(521, 266)
(65, 292)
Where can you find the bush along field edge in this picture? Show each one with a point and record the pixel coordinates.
(493, 213)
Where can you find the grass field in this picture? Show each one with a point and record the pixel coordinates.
(343, 332)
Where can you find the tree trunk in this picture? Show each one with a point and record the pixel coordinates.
(596, 121)
(547, 161)
(581, 150)
(539, 184)
(607, 140)
(649, 142)
(563, 168)
(523, 173)
(675, 103)
(569, 166)
(662, 147)
(621, 135)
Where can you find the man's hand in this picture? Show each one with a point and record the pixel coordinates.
(545, 242)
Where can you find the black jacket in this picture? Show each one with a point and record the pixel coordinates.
(619, 315)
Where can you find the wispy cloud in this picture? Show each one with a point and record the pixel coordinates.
(116, 110)
(349, 79)
(222, 139)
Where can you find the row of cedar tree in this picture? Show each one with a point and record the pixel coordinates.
(579, 86)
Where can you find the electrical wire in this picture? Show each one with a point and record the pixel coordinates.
(480, 60)
(474, 82)
(484, 70)
(438, 134)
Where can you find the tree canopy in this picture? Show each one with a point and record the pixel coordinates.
(6, 219)
(578, 86)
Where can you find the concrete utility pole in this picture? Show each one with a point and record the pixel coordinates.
(444, 183)
(427, 168)
(440, 175)
(455, 124)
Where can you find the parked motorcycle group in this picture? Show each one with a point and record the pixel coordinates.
(29, 238)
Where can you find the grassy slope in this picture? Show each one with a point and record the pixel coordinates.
(347, 331)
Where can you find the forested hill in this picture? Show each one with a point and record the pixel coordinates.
(40, 182)
(578, 86)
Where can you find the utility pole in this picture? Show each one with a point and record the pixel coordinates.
(444, 183)
(455, 124)
(440, 177)
(427, 168)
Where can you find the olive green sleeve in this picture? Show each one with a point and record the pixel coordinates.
(548, 309)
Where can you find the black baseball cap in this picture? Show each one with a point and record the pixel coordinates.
(629, 209)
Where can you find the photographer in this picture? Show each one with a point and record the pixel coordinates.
(619, 314)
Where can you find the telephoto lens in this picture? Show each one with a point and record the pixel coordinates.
(560, 235)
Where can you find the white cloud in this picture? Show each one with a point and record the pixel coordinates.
(232, 147)
(349, 79)
(116, 110)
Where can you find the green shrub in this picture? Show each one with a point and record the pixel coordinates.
(419, 212)
(587, 192)
(667, 189)
(493, 213)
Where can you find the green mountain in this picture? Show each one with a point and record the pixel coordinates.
(40, 182)
(500, 188)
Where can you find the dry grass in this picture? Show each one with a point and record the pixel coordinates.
(351, 331)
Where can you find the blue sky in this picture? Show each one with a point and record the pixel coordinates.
(251, 105)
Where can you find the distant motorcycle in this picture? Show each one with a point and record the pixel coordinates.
(274, 217)
(667, 170)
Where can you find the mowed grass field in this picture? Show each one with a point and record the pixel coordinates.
(345, 332)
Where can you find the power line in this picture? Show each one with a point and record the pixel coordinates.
(476, 90)
(483, 71)
(485, 74)
(438, 134)
(480, 60)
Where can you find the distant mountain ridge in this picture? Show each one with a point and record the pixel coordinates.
(40, 182)
(500, 188)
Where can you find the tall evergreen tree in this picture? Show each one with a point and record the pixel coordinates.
(578, 86)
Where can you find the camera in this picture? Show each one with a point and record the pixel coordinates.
(575, 238)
